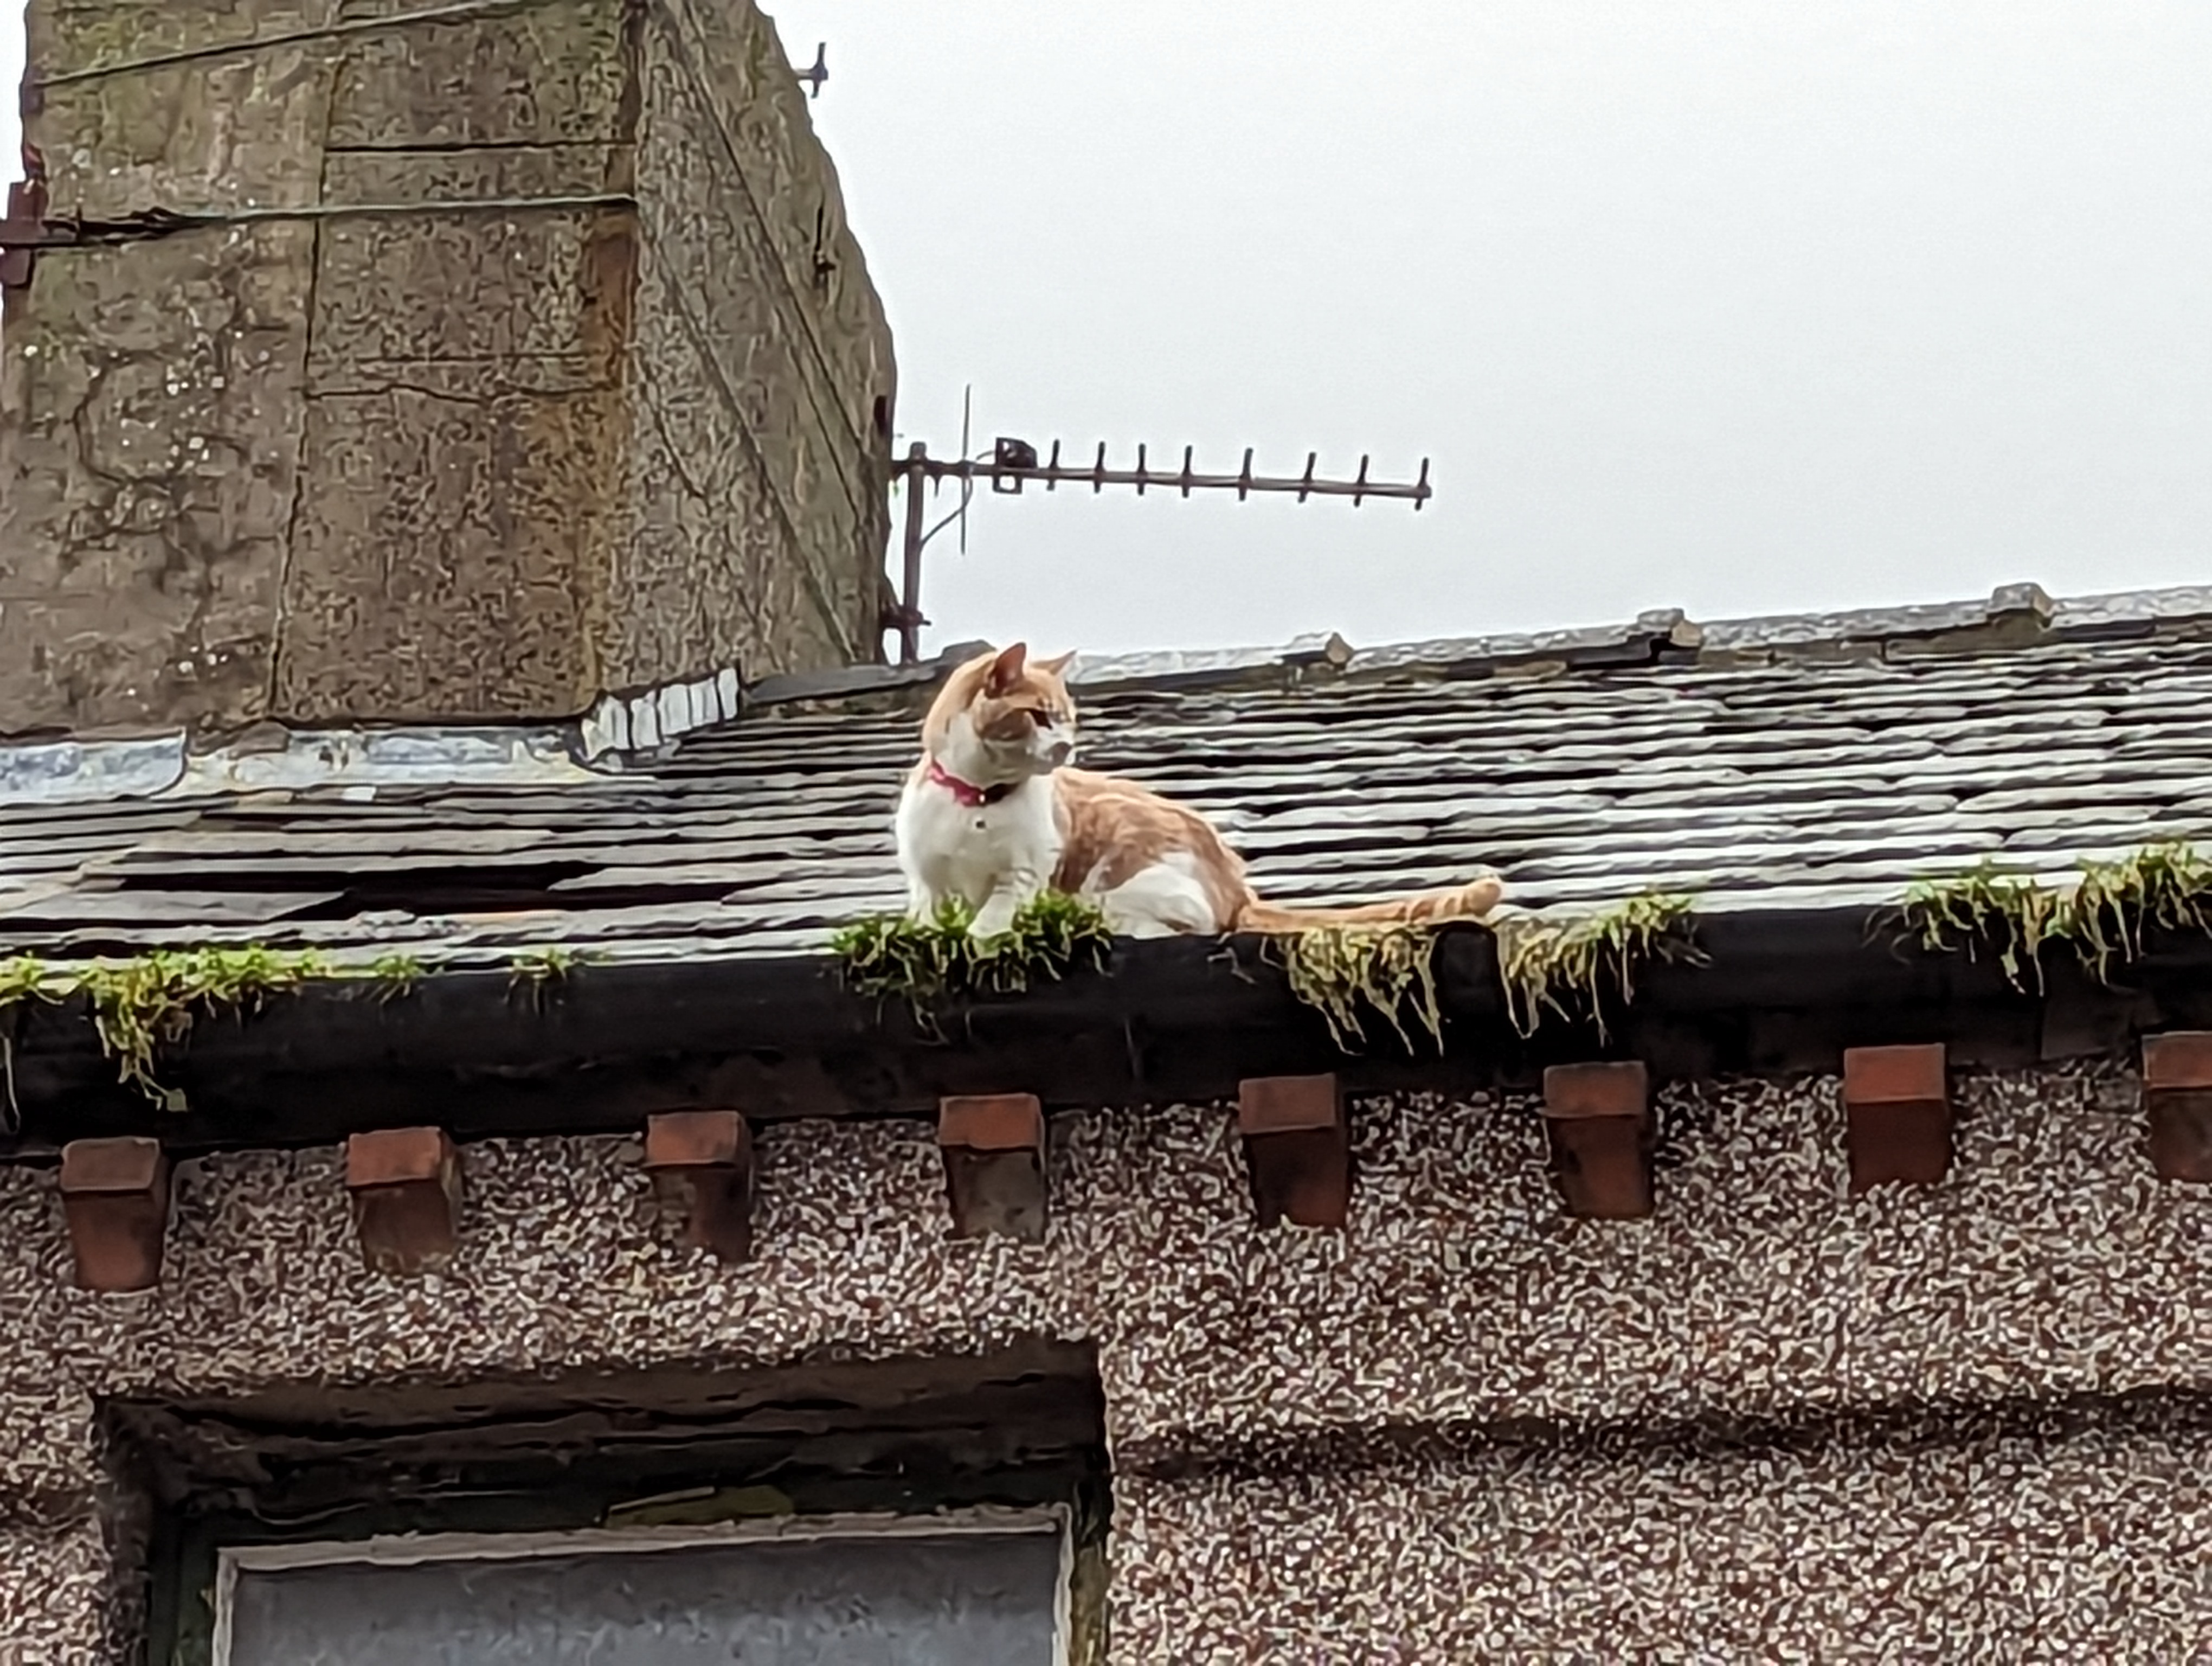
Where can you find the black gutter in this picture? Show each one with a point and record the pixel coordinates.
(595, 1052)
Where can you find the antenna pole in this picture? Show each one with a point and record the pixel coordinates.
(909, 620)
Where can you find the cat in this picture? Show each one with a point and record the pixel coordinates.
(994, 814)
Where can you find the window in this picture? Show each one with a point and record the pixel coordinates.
(981, 1588)
(913, 1510)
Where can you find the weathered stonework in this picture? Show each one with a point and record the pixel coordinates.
(595, 396)
(1466, 1417)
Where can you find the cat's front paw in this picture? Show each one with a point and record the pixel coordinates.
(994, 918)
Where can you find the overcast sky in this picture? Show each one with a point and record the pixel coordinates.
(1741, 306)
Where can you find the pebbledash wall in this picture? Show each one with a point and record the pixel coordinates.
(1957, 1421)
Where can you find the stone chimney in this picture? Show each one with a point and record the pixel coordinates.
(507, 353)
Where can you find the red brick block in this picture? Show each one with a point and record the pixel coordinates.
(993, 1150)
(991, 1122)
(1622, 1088)
(1597, 1119)
(1297, 1149)
(2177, 1077)
(406, 1187)
(1897, 1116)
(1287, 1104)
(696, 1139)
(1895, 1076)
(395, 1156)
(702, 1164)
(115, 1195)
(2180, 1060)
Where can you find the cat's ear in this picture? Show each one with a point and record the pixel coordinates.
(1056, 668)
(1005, 670)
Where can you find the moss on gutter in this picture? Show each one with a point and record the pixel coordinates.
(143, 1005)
(1339, 971)
(397, 973)
(147, 1004)
(24, 978)
(28, 978)
(2101, 916)
(1571, 965)
(926, 963)
(539, 971)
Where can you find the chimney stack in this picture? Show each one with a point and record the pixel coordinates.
(505, 355)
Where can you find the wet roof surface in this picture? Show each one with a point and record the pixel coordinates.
(1784, 763)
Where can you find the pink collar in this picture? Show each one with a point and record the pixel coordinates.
(966, 793)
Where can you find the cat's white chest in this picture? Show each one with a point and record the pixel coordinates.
(971, 851)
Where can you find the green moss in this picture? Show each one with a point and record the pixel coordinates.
(927, 962)
(1051, 935)
(542, 966)
(1572, 964)
(143, 1005)
(1344, 970)
(1352, 975)
(28, 978)
(2167, 886)
(396, 975)
(539, 970)
(2101, 915)
(25, 978)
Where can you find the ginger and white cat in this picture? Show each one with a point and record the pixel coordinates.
(993, 815)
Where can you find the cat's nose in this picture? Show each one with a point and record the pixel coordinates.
(1059, 752)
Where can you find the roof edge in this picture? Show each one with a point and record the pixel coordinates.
(1172, 1021)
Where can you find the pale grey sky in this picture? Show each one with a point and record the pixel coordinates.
(1736, 305)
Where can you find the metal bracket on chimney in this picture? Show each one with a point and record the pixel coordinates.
(818, 72)
(24, 231)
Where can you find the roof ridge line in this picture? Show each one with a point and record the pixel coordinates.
(47, 771)
(2012, 616)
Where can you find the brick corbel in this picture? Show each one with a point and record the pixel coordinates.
(1897, 1115)
(994, 1151)
(115, 1194)
(702, 1164)
(406, 1188)
(2177, 1084)
(1598, 1119)
(1297, 1149)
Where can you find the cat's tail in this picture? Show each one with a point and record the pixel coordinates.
(1428, 908)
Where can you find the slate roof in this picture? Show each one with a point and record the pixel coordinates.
(1773, 763)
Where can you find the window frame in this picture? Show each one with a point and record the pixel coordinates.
(412, 1549)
